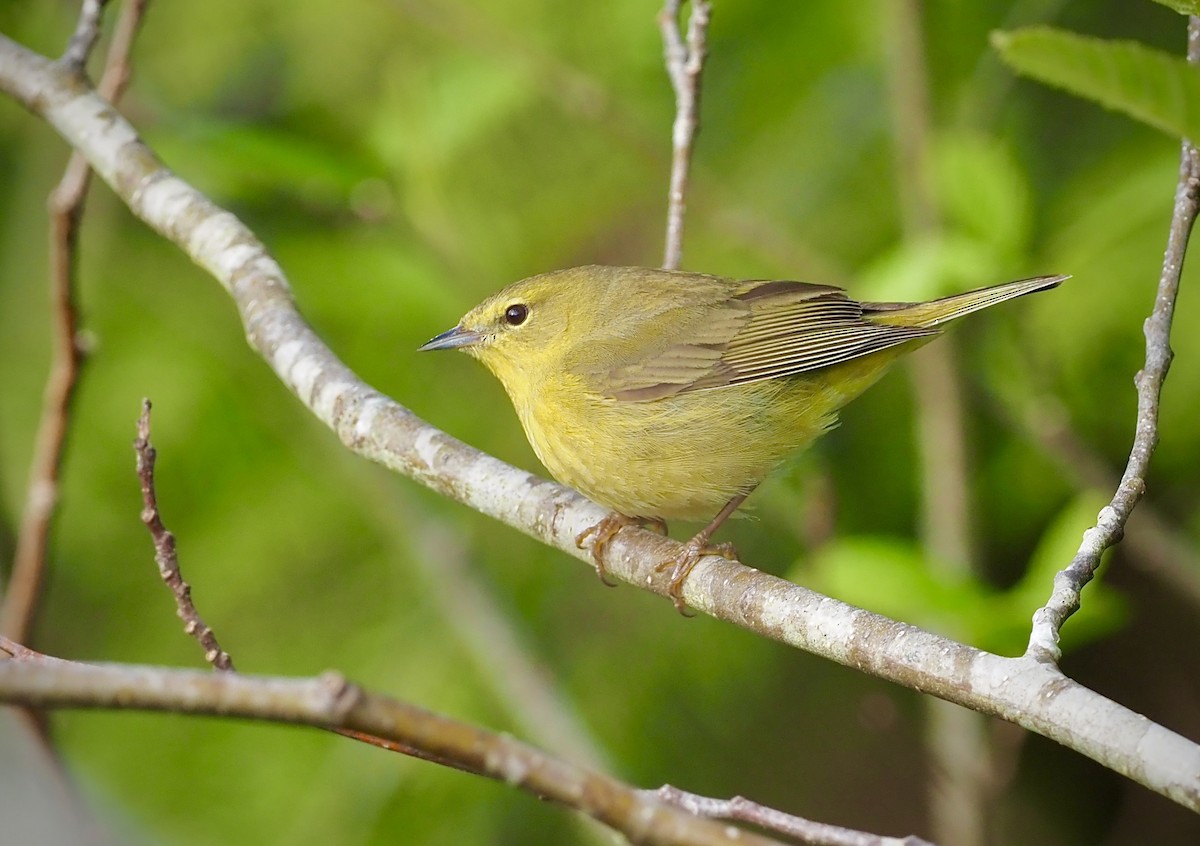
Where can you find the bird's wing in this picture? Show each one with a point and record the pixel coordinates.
(766, 330)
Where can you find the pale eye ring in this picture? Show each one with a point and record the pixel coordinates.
(516, 314)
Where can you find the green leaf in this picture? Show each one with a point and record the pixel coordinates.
(892, 576)
(1149, 85)
(1183, 7)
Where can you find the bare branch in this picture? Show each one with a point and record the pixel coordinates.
(332, 702)
(1110, 524)
(87, 33)
(117, 68)
(1034, 695)
(164, 550)
(19, 610)
(685, 64)
(806, 831)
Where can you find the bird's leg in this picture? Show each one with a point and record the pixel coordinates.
(697, 548)
(603, 532)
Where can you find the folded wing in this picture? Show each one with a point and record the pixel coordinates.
(766, 330)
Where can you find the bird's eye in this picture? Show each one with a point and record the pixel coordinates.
(515, 314)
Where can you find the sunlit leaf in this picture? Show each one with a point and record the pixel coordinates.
(1149, 85)
(1183, 7)
(892, 576)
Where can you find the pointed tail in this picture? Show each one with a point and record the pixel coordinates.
(937, 312)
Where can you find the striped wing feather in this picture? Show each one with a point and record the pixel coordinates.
(768, 330)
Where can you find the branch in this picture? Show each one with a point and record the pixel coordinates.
(806, 831)
(19, 610)
(1032, 694)
(164, 550)
(87, 33)
(167, 559)
(334, 703)
(685, 64)
(1110, 524)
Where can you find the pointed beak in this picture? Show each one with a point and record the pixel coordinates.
(452, 339)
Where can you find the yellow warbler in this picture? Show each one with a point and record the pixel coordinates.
(667, 395)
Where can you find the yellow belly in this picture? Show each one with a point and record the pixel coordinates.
(683, 457)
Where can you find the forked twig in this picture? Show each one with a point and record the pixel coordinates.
(1110, 525)
(685, 64)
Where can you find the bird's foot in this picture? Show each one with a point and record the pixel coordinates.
(603, 532)
(682, 565)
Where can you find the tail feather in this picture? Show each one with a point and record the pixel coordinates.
(937, 312)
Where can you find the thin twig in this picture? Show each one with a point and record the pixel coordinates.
(1110, 525)
(87, 33)
(19, 611)
(806, 831)
(685, 64)
(332, 702)
(117, 67)
(168, 566)
(165, 554)
(1155, 546)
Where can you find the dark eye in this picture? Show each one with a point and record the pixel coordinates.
(515, 314)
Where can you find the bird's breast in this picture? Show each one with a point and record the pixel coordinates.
(679, 458)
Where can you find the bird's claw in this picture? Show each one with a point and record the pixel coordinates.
(603, 532)
(682, 565)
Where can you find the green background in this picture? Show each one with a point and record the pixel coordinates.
(403, 159)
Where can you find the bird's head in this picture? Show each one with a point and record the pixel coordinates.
(523, 331)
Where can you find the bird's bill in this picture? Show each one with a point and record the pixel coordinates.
(452, 339)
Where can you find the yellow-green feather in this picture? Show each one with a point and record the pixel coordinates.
(665, 394)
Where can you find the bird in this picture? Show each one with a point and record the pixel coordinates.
(670, 395)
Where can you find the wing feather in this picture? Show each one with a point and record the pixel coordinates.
(765, 330)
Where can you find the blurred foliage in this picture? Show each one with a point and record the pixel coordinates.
(403, 158)
(892, 576)
(1184, 7)
(1150, 85)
